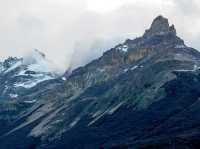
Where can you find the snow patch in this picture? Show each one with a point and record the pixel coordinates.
(74, 122)
(141, 66)
(125, 70)
(123, 48)
(134, 67)
(64, 78)
(114, 109)
(30, 101)
(1, 68)
(180, 46)
(195, 68)
(96, 114)
(98, 117)
(22, 73)
(13, 95)
(32, 83)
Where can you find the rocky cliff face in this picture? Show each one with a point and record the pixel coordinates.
(143, 93)
(160, 26)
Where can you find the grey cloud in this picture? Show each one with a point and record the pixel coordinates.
(191, 7)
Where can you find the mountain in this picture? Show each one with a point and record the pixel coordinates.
(141, 94)
(19, 75)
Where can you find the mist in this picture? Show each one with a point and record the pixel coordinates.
(73, 32)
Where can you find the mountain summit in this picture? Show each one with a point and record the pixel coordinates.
(18, 75)
(160, 26)
(143, 93)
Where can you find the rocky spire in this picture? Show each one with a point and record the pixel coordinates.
(160, 26)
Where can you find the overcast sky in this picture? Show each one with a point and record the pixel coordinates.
(76, 31)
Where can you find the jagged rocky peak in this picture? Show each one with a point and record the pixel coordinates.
(160, 35)
(10, 61)
(160, 26)
(33, 57)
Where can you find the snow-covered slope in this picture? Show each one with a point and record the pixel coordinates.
(20, 74)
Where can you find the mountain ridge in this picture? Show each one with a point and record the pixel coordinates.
(143, 93)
